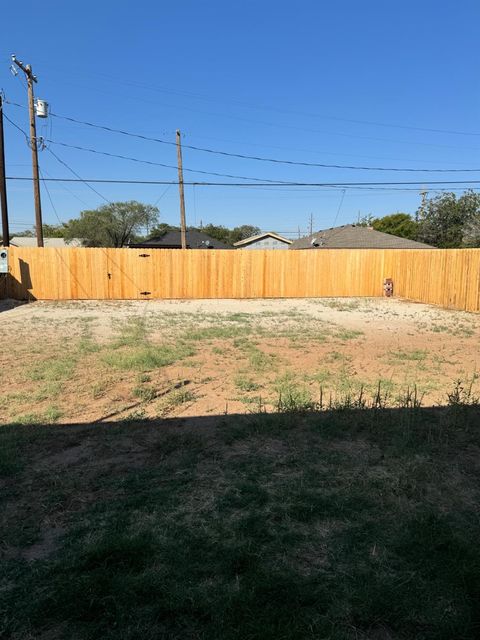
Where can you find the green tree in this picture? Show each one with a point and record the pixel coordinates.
(54, 230)
(365, 221)
(219, 232)
(397, 224)
(161, 229)
(471, 232)
(243, 232)
(111, 225)
(444, 219)
(29, 233)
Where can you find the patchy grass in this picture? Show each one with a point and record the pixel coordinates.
(340, 304)
(415, 355)
(90, 362)
(258, 360)
(49, 416)
(176, 398)
(222, 332)
(347, 334)
(145, 393)
(244, 383)
(131, 332)
(146, 358)
(291, 394)
(54, 369)
(340, 524)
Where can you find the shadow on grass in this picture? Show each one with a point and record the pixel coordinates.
(333, 524)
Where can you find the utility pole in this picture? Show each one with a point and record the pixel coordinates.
(183, 229)
(422, 205)
(3, 183)
(27, 70)
(311, 224)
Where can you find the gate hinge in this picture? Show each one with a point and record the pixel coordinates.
(143, 255)
(145, 293)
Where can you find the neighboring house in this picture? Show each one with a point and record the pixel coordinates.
(49, 243)
(351, 236)
(173, 240)
(268, 240)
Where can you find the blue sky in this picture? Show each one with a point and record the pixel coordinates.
(349, 83)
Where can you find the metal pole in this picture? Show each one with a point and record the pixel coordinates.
(183, 229)
(3, 183)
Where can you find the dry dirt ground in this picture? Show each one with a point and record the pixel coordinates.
(103, 361)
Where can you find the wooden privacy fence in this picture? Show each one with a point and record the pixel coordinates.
(447, 277)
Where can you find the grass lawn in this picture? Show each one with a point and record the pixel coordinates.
(346, 524)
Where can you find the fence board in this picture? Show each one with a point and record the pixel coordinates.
(447, 277)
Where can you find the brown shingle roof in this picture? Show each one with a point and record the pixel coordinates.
(350, 236)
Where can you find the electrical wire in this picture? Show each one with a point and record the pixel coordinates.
(158, 164)
(211, 173)
(263, 158)
(79, 179)
(243, 104)
(161, 196)
(340, 185)
(316, 151)
(255, 158)
(339, 207)
(69, 190)
(27, 137)
(50, 198)
(169, 183)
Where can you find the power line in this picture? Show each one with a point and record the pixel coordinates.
(79, 179)
(69, 191)
(50, 198)
(161, 195)
(255, 158)
(265, 183)
(339, 207)
(290, 149)
(243, 184)
(157, 164)
(227, 175)
(17, 127)
(243, 104)
(262, 158)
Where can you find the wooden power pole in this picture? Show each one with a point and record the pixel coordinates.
(3, 183)
(27, 70)
(423, 194)
(183, 227)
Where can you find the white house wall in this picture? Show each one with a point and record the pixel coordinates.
(266, 243)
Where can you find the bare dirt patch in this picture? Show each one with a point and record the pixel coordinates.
(107, 361)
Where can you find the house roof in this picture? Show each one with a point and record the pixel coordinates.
(351, 236)
(173, 240)
(260, 236)
(49, 243)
